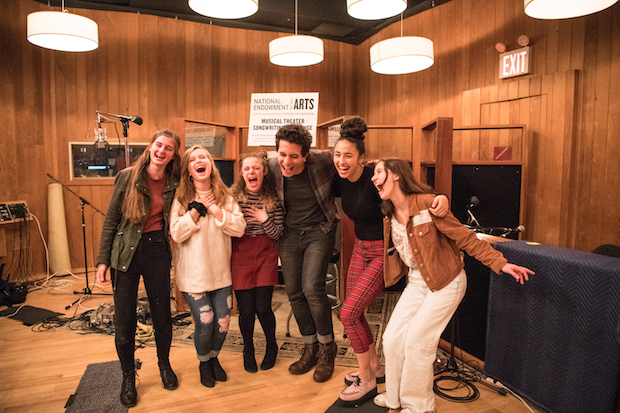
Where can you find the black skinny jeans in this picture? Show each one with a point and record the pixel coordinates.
(152, 261)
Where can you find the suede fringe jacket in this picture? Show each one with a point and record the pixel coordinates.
(436, 245)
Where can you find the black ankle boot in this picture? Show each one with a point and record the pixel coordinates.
(206, 374)
(168, 378)
(218, 372)
(249, 361)
(270, 357)
(129, 395)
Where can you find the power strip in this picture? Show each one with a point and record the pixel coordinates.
(14, 211)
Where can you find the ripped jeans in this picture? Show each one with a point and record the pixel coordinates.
(211, 313)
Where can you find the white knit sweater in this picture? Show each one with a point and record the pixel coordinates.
(202, 249)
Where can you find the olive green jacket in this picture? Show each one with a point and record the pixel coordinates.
(119, 236)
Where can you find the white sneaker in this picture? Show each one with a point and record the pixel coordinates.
(381, 401)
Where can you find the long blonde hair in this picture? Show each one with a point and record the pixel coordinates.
(134, 206)
(187, 190)
(267, 193)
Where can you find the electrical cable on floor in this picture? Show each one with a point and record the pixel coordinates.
(14, 313)
(460, 380)
(466, 377)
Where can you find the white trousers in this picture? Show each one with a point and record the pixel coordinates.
(411, 338)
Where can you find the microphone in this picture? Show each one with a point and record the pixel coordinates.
(101, 137)
(507, 231)
(473, 202)
(135, 119)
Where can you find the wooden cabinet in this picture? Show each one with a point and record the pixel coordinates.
(222, 141)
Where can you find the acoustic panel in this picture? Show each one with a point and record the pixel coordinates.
(555, 339)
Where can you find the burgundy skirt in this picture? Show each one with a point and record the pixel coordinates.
(254, 262)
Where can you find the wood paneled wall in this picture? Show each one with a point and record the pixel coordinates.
(157, 68)
(573, 176)
(160, 68)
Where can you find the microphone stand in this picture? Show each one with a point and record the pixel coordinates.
(86, 291)
(473, 219)
(125, 123)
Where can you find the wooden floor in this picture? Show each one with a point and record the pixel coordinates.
(40, 370)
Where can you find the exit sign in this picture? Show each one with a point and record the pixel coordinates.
(514, 63)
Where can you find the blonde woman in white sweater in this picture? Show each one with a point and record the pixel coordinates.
(204, 217)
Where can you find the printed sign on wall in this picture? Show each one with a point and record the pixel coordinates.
(333, 134)
(270, 111)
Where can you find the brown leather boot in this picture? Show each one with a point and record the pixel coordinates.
(325, 365)
(309, 358)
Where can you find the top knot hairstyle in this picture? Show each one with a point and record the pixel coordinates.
(353, 130)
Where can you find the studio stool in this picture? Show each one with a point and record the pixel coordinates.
(330, 278)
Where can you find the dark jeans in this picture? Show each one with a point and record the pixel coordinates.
(211, 313)
(305, 256)
(251, 303)
(152, 261)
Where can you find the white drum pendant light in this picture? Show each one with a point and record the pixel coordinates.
(375, 9)
(224, 9)
(564, 9)
(61, 30)
(401, 55)
(297, 50)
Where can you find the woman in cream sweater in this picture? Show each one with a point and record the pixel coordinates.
(204, 217)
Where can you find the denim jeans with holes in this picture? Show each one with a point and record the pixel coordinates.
(211, 313)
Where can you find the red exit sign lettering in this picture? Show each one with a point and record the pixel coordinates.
(514, 63)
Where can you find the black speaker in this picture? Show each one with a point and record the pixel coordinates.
(498, 190)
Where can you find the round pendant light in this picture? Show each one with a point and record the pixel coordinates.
(400, 55)
(60, 30)
(375, 9)
(224, 9)
(564, 9)
(295, 51)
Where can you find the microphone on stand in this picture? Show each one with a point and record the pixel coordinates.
(507, 231)
(473, 202)
(101, 144)
(135, 119)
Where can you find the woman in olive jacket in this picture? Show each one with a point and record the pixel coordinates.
(134, 242)
(429, 249)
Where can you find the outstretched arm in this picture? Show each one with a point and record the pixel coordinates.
(519, 273)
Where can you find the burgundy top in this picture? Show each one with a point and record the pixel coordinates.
(155, 218)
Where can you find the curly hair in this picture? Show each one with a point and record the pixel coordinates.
(295, 133)
(267, 193)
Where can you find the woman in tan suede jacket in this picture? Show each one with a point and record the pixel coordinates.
(429, 250)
